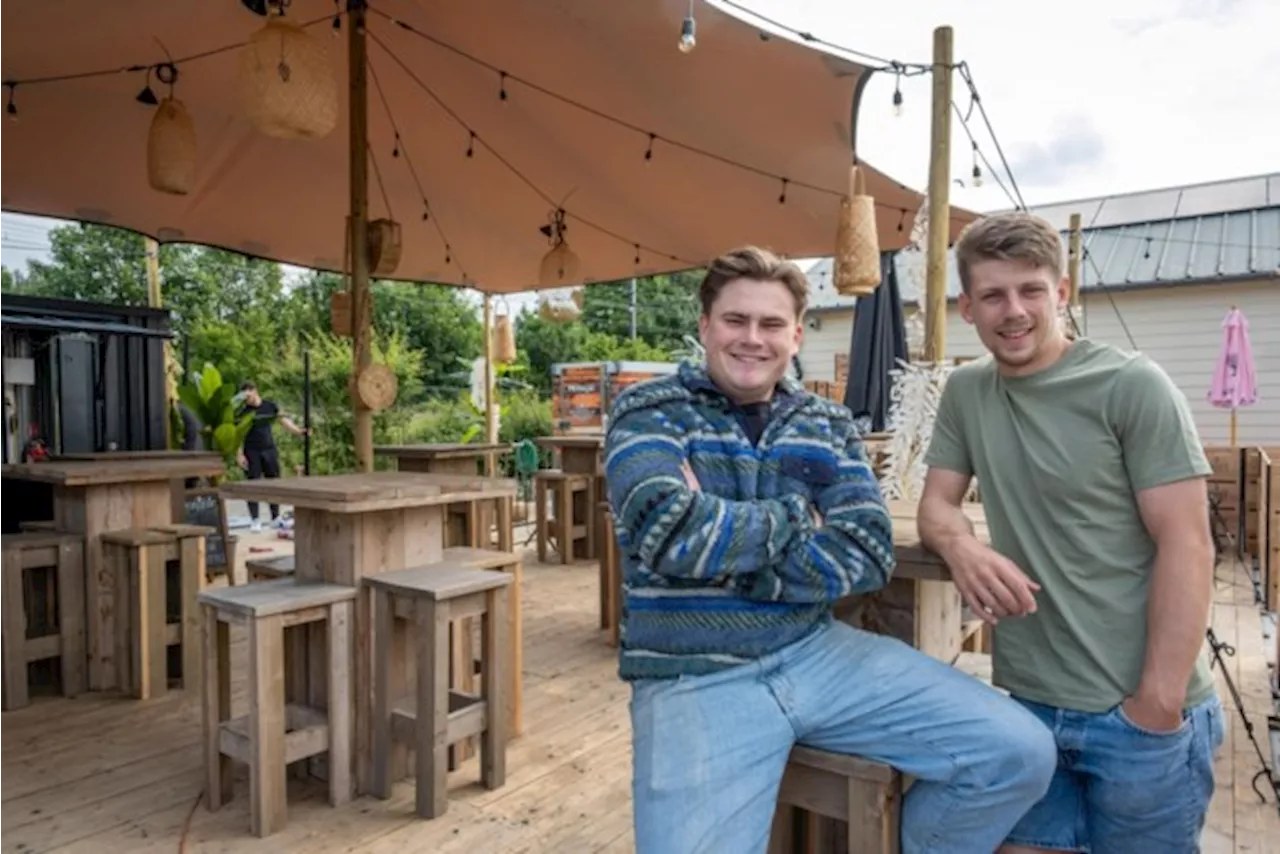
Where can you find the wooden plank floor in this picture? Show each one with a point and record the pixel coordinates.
(103, 774)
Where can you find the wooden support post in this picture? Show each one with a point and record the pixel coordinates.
(935, 319)
(490, 404)
(358, 224)
(1073, 259)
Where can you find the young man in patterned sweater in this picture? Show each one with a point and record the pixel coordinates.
(745, 509)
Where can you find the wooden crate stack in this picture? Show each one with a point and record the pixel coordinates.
(578, 397)
(584, 391)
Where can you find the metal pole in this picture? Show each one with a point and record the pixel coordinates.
(633, 308)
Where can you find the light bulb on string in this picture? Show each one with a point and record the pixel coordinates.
(688, 31)
(897, 96)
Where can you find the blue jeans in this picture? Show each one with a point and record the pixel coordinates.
(709, 751)
(1122, 789)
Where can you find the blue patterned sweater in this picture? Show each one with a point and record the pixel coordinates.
(722, 575)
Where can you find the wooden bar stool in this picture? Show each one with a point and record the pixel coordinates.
(562, 527)
(432, 598)
(274, 734)
(826, 797)
(192, 577)
(269, 568)
(509, 562)
(136, 559)
(60, 556)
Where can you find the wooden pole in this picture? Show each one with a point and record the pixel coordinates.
(490, 405)
(935, 319)
(1073, 259)
(358, 223)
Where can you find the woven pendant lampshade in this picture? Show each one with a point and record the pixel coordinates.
(503, 345)
(856, 271)
(287, 83)
(559, 266)
(171, 149)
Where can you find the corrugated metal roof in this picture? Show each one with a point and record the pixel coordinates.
(1225, 231)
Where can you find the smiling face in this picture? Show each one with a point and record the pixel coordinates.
(750, 333)
(1013, 304)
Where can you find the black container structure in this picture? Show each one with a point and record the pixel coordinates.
(80, 378)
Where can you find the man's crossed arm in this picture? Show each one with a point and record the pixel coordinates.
(771, 549)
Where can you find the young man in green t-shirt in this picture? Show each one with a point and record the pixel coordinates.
(1099, 575)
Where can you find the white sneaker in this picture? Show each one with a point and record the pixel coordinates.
(256, 527)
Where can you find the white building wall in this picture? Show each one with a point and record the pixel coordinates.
(1179, 327)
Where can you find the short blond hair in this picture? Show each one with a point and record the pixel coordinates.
(1016, 236)
(757, 265)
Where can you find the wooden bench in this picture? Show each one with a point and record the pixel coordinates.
(61, 556)
(138, 561)
(433, 598)
(274, 734)
(561, 527)
(829, 796)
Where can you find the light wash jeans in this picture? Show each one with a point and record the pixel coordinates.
(709, 751)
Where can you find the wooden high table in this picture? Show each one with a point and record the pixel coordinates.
(920, 605)
(464, 525)
(93, 497)
(352, 525)
(581, 453)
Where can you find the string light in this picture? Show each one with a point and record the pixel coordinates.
(688, 42)
(897, 93)
(11, 109)
(688, 32)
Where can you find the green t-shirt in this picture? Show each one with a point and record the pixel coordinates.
(1059, 456)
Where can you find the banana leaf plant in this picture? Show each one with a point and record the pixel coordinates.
(214, 403)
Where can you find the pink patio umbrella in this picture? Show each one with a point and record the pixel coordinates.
(1234, 381)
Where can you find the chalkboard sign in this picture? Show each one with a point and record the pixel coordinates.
(204, 510)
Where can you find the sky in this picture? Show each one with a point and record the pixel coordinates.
(1101, 97)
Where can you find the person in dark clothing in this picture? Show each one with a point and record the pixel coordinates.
(259, 458)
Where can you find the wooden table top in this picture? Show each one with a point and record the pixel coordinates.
(99, 472)
(441, 450)
(914, 560)
(367, 492)
(580, 440)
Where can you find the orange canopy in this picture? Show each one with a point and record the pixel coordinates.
(586, 85)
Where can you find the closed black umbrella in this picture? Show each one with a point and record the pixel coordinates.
(879, 341)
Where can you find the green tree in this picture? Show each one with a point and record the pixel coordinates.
(667, 308)
(542, 342)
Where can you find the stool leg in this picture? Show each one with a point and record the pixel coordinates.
(340, 678)
(192, 573)
(540, 516)
(592, 547)
(217, 707)
(267, 794)
(15, 633)
(506, 524)
(71, 619)
(873, 818)
(150, 671)
(432, 724)
(383, 740)
(493, 741)
(515, 638)
(564, 521)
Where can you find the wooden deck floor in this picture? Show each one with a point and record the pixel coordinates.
(102, 774)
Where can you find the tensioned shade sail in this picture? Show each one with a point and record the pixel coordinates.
(760, 109)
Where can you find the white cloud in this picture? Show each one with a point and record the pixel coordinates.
(1168, 93)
